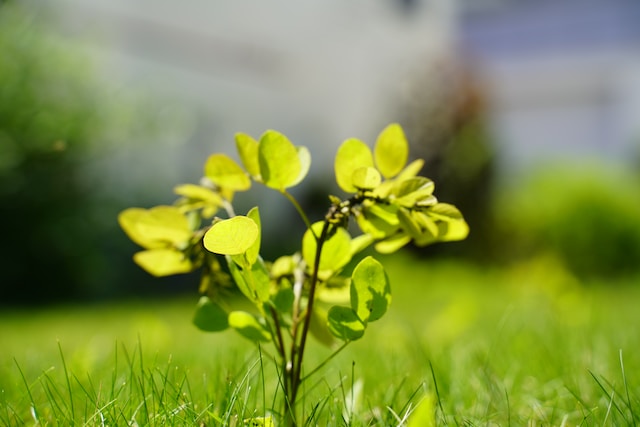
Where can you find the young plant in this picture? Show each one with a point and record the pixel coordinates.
(388, 201)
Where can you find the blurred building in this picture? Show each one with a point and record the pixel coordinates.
(563, 75)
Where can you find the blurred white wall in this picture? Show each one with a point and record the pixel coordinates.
(319, 71)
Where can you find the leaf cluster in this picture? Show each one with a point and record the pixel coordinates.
(306, 292)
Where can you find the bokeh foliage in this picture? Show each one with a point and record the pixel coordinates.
(586, 214)
(55, 113)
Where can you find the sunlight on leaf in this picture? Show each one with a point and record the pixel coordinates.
(366, 178)
(344, 323)
(223, 171)
(248, 151)
(370, 290)
(248, 326)
(352, 154)
(156, 227)
(163, 262)
(336, 252)
(391, 151)
(232, 236)
(280, 165)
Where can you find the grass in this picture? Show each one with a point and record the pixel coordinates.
(524, 345)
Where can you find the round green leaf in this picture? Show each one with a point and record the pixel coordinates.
(248, 326)
(366, 178)
(163, 262)
(336, 251)
(223, 171)
(344, 323)
(248, 150)
(280, 165)
(391, 151)
(209, 316)
(370, 290)
(353, 154)
(156, 227)
(232, 236)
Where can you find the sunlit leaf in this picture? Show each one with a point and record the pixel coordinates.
(283, 266)
(379, 220)
(163, 262)
(231, 236)
(429, 229)
(445, 212)
(253, 251)
(366, 178)
(305, 164)
(411, 191)
(248, 151)
(156, 227)
(370, 290)
(391, 151)
(352, 154)
(280, 165)
(198, 192)
(411, 170)
(344, 323)
(392, 244)
(450, 231)
(129, 219)
(241, 282)
(260, 279)
(223, 171)
(409, 224)
(209, 316)
(248, 326)
(336, 251)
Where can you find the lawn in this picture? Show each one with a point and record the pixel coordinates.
(521, 345)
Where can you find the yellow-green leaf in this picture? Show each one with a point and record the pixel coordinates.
(223, 171)
(163, 262)
(157, 227)
(248, 326)
(370, 290)
(232, 236)
(353, 154)
(336, 251)
(392, 244)
(248, 151)
(209, 316)
(254, 249)
(198, 192)
(280, 165)
(391, 151)
(366, 178)
(344, 323)
(129, 219)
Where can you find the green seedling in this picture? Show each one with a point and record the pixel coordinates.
(306, 293)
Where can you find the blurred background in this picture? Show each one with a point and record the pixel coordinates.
(527, 112)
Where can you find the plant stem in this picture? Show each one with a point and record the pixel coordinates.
(297, 368)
